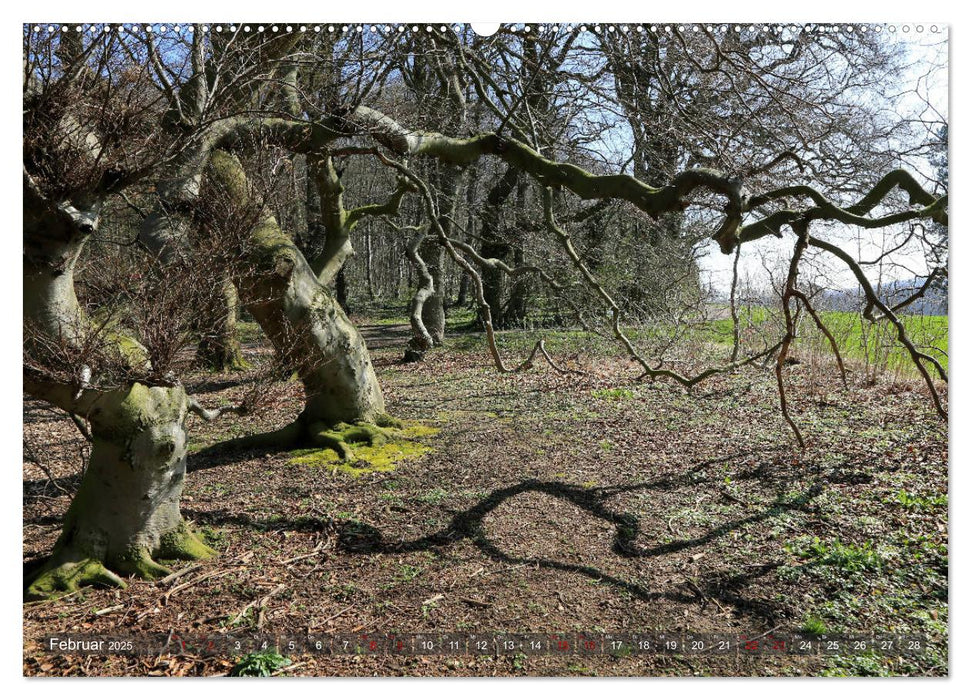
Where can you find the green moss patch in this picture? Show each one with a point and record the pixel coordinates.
(616, 394)
(400, 445)
(54, 581)
(417, 429)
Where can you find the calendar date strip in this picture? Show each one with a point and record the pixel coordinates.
(463, 644)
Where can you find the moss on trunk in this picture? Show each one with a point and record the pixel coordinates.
(302, 319)
(126, 514)
(219, 349)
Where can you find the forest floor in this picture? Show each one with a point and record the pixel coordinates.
(541, 503)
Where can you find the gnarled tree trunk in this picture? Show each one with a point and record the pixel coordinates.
(219, 348)
(433, 308)
(125, 514)
(305, 324)
(126, 511)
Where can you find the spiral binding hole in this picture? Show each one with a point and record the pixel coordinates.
(784, 31)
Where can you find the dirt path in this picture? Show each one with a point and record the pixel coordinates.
(378, 336)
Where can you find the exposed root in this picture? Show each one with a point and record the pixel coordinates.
(300, 433)
(354, 448)
(68, 577)
(67, 571)
(364, 448)
(141, 565)
(341, 436)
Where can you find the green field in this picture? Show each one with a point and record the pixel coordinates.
(874, 344)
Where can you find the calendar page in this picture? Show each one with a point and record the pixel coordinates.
(512, 349)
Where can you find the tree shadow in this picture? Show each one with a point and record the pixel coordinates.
(220, 454)
(385, 335)
(356, 537)
(35, 489)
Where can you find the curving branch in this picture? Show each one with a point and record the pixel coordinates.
(338, 222)
(802, 229)
(804, 298)
(308, 137)
(549, 173)
(652, 372)
(931, 207)
(918, 357)
(933, 277)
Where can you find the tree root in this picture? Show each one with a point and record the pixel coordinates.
(139, 563)
(364, 448)
(304, 433)
(340, 437)
(69, 577)
(355, 448)
(67, 571)
(185, 545)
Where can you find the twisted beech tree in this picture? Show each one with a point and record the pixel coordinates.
(107, 115)
(86, 138)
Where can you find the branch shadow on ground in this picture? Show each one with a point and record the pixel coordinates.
(356, 537)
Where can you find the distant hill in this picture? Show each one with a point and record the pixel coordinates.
(933, 303)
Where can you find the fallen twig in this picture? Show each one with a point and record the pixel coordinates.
(291, 560)
(178, 574)
(288, 668)
(476, 603)
(113, 608)
(189, 584)
(338, 614)
(258, 603)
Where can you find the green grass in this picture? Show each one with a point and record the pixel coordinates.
(813, 625)
(857, 338)
(862, 340)
(846, 557)
(615, 394)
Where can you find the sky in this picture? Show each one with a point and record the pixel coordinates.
(927, 49)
